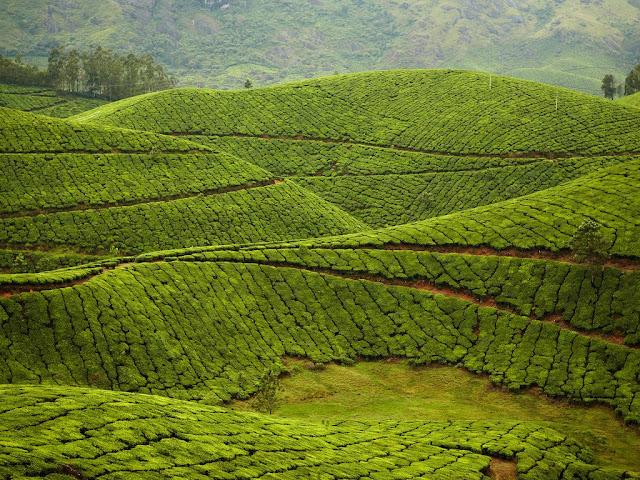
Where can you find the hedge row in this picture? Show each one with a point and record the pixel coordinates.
(207, 331)
(27, 102)
(23, 132)
(397, 199)
(547, 219)
(426, 110)
(72, 106)
(537, 288)
(53, 181)
(273, 213)
(310, 157)
(27, 261)
(99, 434)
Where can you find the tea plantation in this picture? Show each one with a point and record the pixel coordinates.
(45, 102)
(150, 275)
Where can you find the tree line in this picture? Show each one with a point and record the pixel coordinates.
(610, 87)
(99, 72)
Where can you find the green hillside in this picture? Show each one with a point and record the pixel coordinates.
(630, 100)
(432, 111)
(197, 441)
(221, 43)
(45, 102)
(159, 255)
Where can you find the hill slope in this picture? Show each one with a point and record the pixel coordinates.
(221, 43)
(437, 111)
(145, 437)
(45, 102)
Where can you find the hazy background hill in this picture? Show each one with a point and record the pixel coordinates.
(220, 43)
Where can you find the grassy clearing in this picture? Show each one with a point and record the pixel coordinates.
(393, 391)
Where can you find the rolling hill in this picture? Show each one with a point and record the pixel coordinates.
(339, 221)
(45, 102)
(221, 43)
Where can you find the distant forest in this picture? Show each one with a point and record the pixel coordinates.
(98, 72)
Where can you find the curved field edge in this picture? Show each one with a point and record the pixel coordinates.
(59, 432)
(23, 133)
(206, 331)
(412, 109)
(283, 211)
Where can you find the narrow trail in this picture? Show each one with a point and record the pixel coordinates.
(506, 156)
(419, 284)
(82, 206)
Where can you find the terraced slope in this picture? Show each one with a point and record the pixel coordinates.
(22, 132)
(630, 100)
(206, 331)
(99, 188)
(545, 220)
(177, 439)
(45, 102)
(398, 199)
(445, 111)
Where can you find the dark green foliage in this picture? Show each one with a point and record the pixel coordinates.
(589, 245)
(608, 86)
(266, 399)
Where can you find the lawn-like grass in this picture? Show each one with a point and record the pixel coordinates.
(393, 391)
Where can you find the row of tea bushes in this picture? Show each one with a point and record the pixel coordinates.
(313, 157)
(538, 288)
(543, 220)
(109, 435)
(206, 331)
(23, 132)
(398, 199)
(416, 109)
(59, 181)
(272, 213)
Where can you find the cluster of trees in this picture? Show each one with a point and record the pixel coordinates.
(99, 72)
(20, 73)
(610, 87)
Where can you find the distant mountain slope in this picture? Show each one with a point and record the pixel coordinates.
(437, 111)
(220, 43)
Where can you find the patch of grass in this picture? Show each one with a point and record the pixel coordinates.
(392, 390)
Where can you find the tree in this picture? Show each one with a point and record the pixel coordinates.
(248, 84)
(608, 86)
(632, 81)
(589, 245)
(266, 399)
